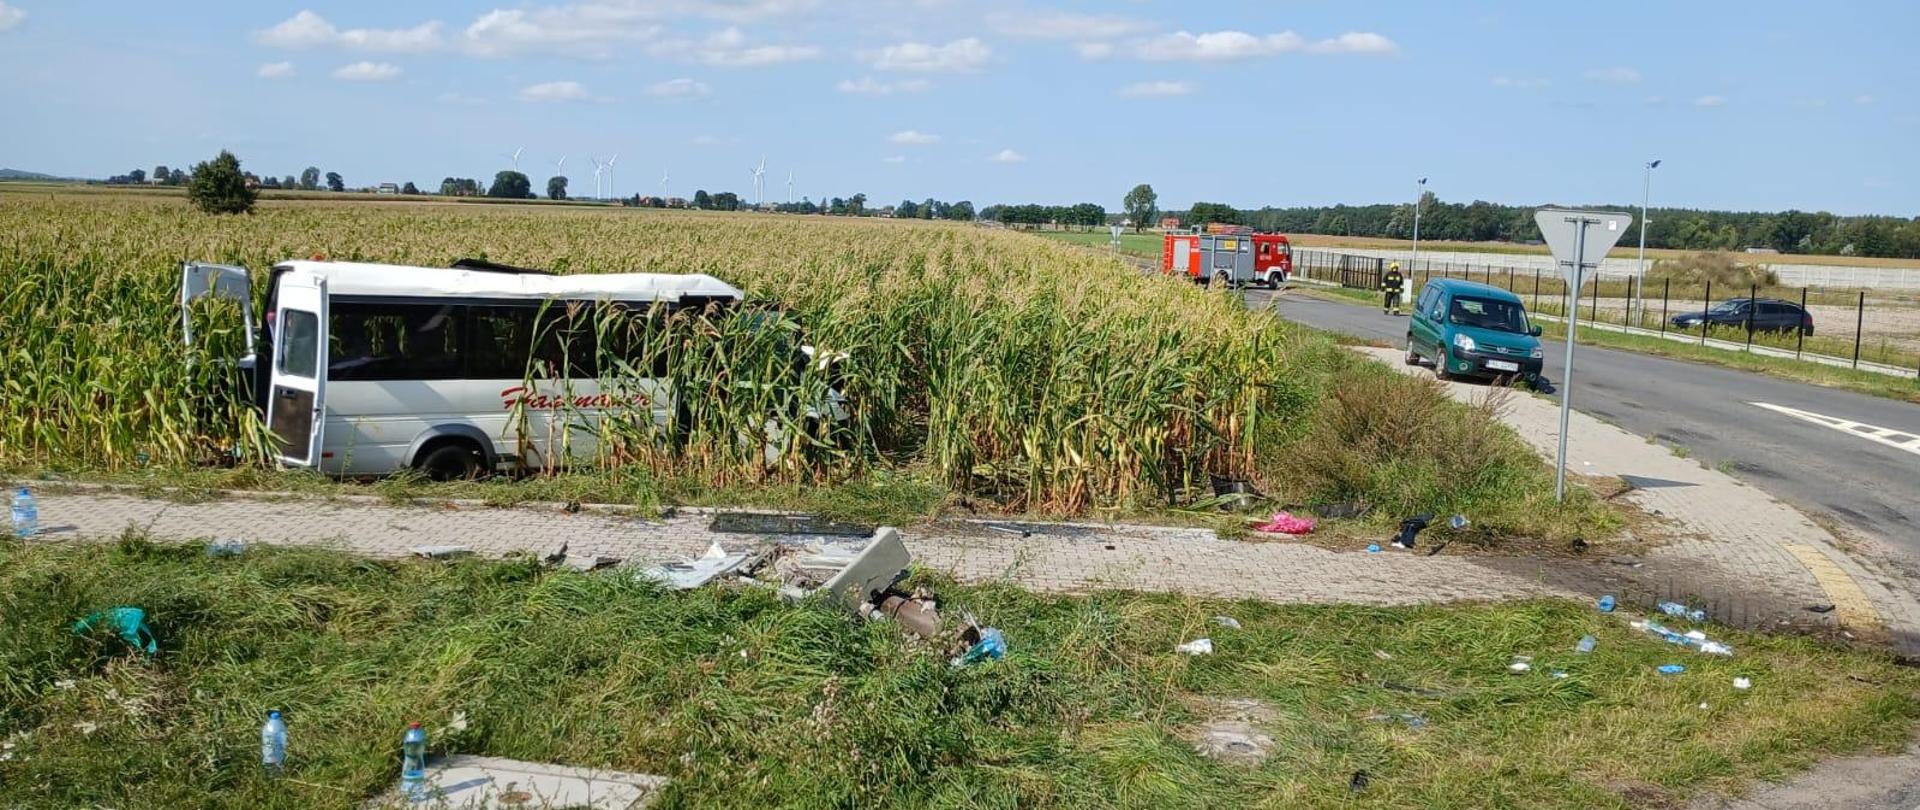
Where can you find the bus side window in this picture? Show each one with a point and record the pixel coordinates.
(502, 337)
(378, 340)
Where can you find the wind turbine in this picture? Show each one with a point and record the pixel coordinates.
(663, 185)
(610, 162)
(598, 169)
(515, 157)
(789, 186)
(759, 182)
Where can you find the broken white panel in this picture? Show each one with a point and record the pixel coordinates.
(694, 573)
(487, 783)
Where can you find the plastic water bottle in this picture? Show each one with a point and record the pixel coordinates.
(1678, 610)
(26, 514)
(273, 744)
(1606, 604)
(413, 763)
(1586, 645)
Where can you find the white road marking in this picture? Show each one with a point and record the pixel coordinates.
(1896, 439)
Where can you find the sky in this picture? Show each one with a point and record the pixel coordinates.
(1755, 105)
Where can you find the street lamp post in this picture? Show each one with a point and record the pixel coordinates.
(1419, 196)
(1646, 193)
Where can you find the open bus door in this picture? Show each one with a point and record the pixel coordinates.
(216, 281)
(298, 387)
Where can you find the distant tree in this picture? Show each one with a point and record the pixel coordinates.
(1203, 213)
(556, 188)
(219, 187)
(289, 182)
(160, 174)
(510, 185)
(137, 176)
(933, 209)
(1141, 205)
(270, 182)
(334, 183)
(460, 187)
(907, 209)
(726, 201)
(837, 207)
(857, 205)
(409, 188)
(702, 200)
(310, 178)
(962, 210)
(178, 177)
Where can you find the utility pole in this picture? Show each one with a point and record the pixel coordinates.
(1419, 196)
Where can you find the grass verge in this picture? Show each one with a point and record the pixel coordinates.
(745, 701)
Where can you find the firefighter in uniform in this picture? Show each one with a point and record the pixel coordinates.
(1392, 284)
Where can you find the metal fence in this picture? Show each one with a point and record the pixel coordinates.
(1870, 330)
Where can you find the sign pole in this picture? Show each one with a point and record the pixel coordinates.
(1573, 333)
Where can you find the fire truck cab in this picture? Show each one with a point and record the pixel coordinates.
(1233, 259)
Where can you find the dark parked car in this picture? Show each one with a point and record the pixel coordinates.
(1763, 314)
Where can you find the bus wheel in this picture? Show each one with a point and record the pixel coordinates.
(451, 461)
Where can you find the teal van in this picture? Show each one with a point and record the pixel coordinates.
(1472, 330)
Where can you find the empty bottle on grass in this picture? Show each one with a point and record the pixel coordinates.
(1586, 644)
(1678, 610)
(413, 763)
(273, 744)
(26, 514)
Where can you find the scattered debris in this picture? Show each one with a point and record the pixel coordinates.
(1672, 669)
(1579, 545)
(440, 552)
(1521, 663)
(1234, 742)
(461, 780)
(1383, 655)
(917, 615)
(1410, 720)
(1413, 690)
(129, 622)
(1457, 522)
(86, 727)
(585, 564)
(1359, 781)
(879, 564)
(1409, 528)
(1198, 646)
(1586, 645)
(1373, 548)
(992, 646)
(65, 684)
(1692, 638)
(1703, 705)
(1742, 684)
(1341, 511)
(226, 548)
(1013, 530)
(694, 573)
(1678, 610)
(1821, 608)
(1605, 605)
(1557, 674)
(1228, 622)
(558, 556)
(1286, 523)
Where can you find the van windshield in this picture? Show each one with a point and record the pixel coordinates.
(1483, 313)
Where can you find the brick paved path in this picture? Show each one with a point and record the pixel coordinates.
(1061, 558)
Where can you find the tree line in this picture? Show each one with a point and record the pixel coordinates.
(1678, 228)
(1085, 215)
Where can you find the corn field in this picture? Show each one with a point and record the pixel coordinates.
(1035, 374)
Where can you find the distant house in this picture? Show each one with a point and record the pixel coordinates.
(388, 188)
(1169, 223)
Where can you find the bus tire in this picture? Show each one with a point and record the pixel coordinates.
(450, 460)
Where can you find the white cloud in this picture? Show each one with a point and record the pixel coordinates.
(1520, 84)
(1363, 42)
(1615, 75)
(1066, 25)
(679, 88)
(1222, 46)
(367, 72)
(912, 137)
(597, 28)
(1710, 101)
(1007, 156)
(1156, 89)
(894, 159)
(309, 30)
(869, 86)
(11, 17)
(959, 56)
(275, 70)
(1094, 50)
(555, 91)
(728, 48)
(1863, 99)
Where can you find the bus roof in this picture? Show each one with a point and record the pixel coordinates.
(359, 278)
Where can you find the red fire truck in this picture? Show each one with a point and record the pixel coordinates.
(1232, 259)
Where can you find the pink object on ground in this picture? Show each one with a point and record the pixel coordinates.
(1285, 523)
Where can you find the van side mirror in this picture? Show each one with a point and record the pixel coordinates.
(1533, 330)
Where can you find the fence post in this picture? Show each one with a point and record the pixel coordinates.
(1753, 290)
(1666, 286)
(1704, 306)
(1859, 322)
(1509, 279)
(1800, 332)
(1536, 289)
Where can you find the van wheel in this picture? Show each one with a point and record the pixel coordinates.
(1413, 357)
(451, 461)
(1223, 281)
(1440, 367)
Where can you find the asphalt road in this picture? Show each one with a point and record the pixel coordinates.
(1865, 485)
